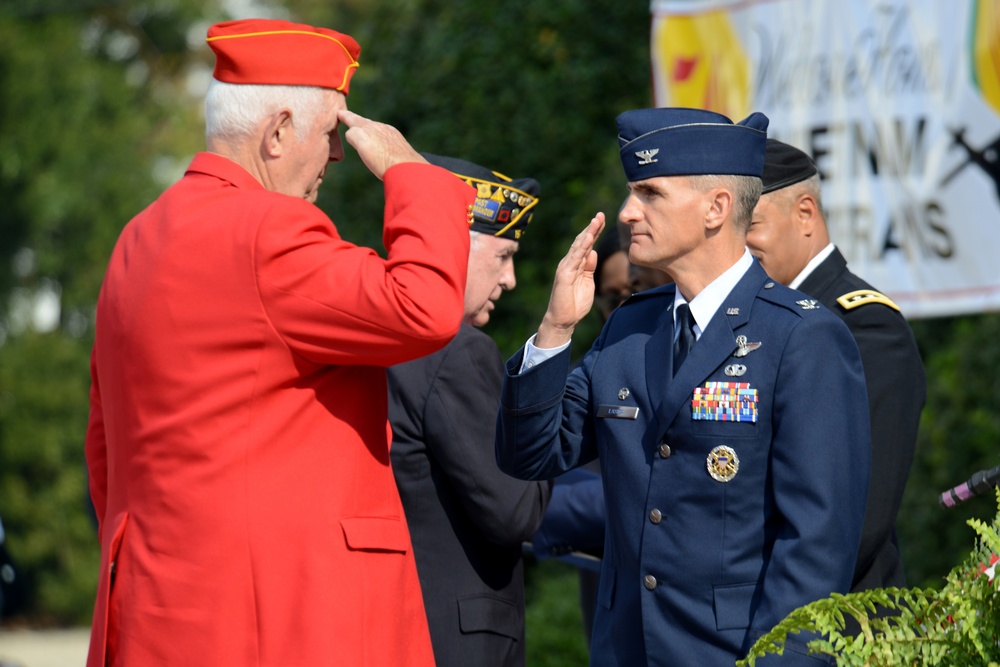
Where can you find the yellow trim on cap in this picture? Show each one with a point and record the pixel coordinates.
(354, 63)
(347, 78)
(513, 221)
(516, 220)
(864, 296)
(286, 32)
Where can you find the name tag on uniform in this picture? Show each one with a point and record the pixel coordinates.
(617, 412)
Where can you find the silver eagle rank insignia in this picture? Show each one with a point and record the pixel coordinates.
(646, 156)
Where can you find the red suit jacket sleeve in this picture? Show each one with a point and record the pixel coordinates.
(337, 303)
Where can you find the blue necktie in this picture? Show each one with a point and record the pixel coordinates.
(685, 337)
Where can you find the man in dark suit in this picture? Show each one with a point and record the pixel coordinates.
(729, 437)
(790, 238)
(468, 519)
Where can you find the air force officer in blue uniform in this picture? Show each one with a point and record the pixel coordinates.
(729, 412)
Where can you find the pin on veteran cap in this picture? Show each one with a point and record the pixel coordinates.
(503, 205)
(785, 165)
(273, 52)
(689, 142)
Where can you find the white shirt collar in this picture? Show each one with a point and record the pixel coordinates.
(811, 266)
(704, 305)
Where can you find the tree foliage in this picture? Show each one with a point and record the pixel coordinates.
(93, 106)
(959, 434)
(527, 88)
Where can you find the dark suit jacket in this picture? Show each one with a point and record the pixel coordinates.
(897, 388)
(696, 569)
(467, 519)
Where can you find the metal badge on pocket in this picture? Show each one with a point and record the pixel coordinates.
(723, 463)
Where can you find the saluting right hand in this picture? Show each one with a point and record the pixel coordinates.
(380, 146)
(572, 289)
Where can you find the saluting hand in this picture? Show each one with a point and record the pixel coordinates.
(572, 289)
(380, 146)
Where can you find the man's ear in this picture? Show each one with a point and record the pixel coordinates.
(720, 205)
(806, 213)
(278, 132)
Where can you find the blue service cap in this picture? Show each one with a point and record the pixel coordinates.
(690, 142)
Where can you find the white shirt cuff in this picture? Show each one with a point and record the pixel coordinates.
(536, 355)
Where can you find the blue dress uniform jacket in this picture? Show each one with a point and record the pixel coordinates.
(696, 569)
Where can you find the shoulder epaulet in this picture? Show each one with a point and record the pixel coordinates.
(861, 297)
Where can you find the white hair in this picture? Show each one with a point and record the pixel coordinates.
(473, 239)
(234, 110)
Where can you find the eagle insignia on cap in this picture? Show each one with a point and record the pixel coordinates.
(647, 156)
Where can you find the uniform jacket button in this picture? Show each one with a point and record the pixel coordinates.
(655, 515)
(664, 451)
(649, 581)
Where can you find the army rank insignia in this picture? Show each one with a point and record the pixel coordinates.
(724, 401)
(860, 297)
(722, 463)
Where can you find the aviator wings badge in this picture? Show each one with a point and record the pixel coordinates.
(647, 156)
(743, 348)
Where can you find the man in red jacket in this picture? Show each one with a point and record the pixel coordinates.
(237, 445)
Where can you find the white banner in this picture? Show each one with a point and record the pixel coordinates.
(898, 101)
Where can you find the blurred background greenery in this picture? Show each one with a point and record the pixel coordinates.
(100, 109)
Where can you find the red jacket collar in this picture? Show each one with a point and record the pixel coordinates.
(222, 167)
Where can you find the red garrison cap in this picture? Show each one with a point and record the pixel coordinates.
(266, 51)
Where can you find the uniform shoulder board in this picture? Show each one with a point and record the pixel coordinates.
(861, 297)
(782, 295)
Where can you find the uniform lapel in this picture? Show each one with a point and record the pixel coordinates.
(820, 282)
(660, 356)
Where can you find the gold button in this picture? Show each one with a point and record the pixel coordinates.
(649, 581)
(655, 515)
(665, 451)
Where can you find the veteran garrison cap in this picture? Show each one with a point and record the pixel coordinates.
(785, 165)
(688, 142)
(504, 206)
(274, 52)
